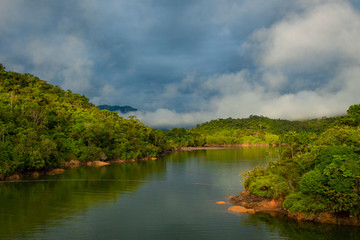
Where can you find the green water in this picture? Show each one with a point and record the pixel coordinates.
(171, 198)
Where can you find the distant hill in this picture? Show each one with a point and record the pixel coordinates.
(122, 109)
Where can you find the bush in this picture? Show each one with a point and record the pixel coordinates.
(249, 176)
(269, 186)
(299, 202)
(343, 203)
(354, 110)
(312, 182)
(327, 156)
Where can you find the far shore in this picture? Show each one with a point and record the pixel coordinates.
(77, 163)
(226, 146)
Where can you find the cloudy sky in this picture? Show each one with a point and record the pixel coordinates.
(184, 62)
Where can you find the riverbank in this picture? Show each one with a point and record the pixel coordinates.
(66, 165)
(251, 204)
(76, 163)
(222, 146)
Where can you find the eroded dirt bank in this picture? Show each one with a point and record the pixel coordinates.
(252, 203)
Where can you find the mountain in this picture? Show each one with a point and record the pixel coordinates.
(122, 109)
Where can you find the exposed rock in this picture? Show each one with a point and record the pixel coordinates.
(130, 160)
(56, 171)
(257, 203)
(117, 161)
(241, 209)
(97, 163)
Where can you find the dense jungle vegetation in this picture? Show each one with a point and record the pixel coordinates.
(252, 130)
(316, 174)
(257, 130)
(41, 126)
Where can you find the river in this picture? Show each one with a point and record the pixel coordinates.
(173, 197)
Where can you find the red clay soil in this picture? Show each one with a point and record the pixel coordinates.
(257, 204)
(248, 203)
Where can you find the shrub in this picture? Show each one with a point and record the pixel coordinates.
(344, 203)
(327, 156)
(312, 182)
(253, 174)
(269, 186)
(299, 202)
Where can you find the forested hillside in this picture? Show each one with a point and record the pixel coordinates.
(316, 175)
(42, 126)
(252, 130)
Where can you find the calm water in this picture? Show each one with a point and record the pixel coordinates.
(171, 198)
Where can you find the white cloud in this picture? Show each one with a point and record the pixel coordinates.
(65, 58)
(312, 39)
(165, 118)
(317, 38)
(106, 95)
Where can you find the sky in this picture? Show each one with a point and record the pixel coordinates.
(183, 62)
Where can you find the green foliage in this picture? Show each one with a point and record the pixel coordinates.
(299, 202)
(269, 186)
(331, 154)
(342, 203)
(352, 118)
(354, 110)
(185, 138)
(41, 126)
(334, 180)
(250, 176)
(258, 130)
(312, 182)
(322, 170)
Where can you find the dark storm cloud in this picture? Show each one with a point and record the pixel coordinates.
(128, 44)
(197, 57)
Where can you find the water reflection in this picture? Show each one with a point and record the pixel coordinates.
(171, 198)
(47, 201)
(302, 230)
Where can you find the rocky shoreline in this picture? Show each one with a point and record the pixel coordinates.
(251, 204)
(248, 203)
